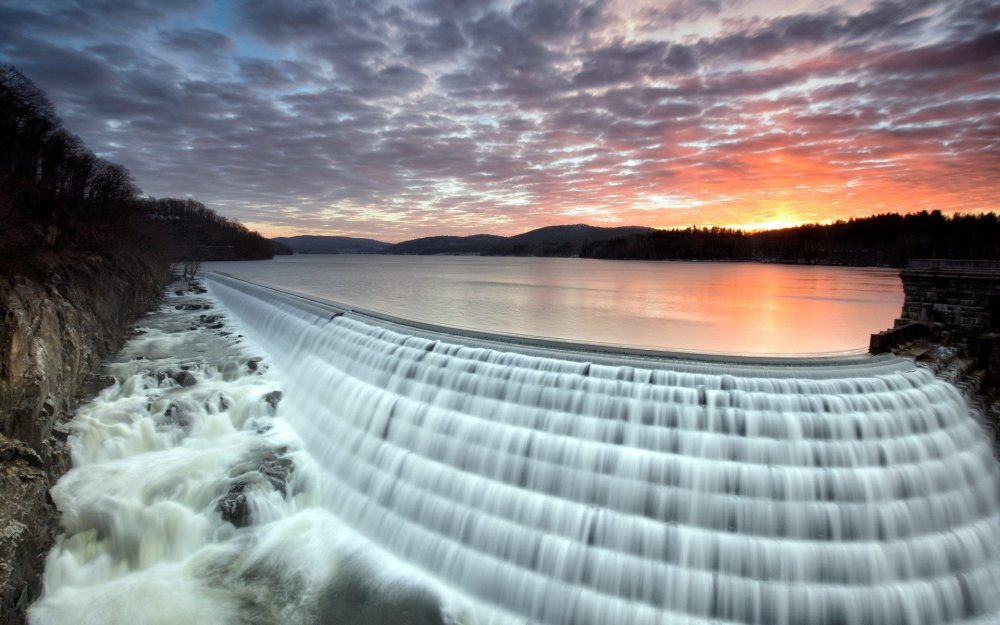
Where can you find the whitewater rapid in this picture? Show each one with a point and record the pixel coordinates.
(412, 476)
(192, 425)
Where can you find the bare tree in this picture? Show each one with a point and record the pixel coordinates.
(191, 267)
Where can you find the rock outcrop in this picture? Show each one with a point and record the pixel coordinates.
(57, 323)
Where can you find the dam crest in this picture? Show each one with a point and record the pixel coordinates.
(543, 482)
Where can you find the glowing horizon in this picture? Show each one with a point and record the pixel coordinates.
(397, 119)
(279, 231)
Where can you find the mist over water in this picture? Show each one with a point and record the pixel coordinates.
(410, 477)
(728, 308)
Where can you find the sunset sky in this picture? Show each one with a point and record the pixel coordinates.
(396, 119)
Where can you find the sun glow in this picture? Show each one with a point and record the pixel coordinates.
(775, 224)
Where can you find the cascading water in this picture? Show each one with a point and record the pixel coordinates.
(528, 485)
(190, 501)
(570, 492)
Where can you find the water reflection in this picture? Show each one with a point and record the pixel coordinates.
(744, 308)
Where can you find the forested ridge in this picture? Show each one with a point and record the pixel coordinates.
(196, 231)
(58, 198)
(81, 254)
(888, 240)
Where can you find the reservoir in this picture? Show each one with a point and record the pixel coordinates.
(721, 308)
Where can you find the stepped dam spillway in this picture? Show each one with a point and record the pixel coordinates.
(558, 488)
(528, 481)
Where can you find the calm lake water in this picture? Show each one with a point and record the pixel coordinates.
(729, 308)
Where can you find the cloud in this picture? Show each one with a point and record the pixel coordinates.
(618, 63)
(554, 19)
(292, 21)
(90, 18)
(199, 42)
(765, 38)
(675, 11)
(454, 9)
(269, 74)
(65, 69)
(971, 55)
(395, 120)
(441, 41)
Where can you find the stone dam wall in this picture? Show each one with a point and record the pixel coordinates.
(964, 294)
(57, 324)
(950, 323)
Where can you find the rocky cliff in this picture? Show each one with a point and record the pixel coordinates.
(58, 320)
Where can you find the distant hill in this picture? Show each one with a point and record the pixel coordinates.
(475, 244)
(563, 240)
(311, 244)
(548, 241)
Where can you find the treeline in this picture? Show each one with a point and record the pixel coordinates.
(888, 240)
(58, 197)
(54, 192)
(197, 232)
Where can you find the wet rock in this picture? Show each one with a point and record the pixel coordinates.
(273, 398)
(276, 469)
(212, 322)
(262, 465)
(61, 431)
(184, 378)
(266, 463)
(180, 293)
(253, 362)
(14, 451)
(235, 505)
(94, 383)
(27, 526)
(175, 416)
(221, 403)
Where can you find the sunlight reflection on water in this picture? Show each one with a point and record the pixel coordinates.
(733, 308)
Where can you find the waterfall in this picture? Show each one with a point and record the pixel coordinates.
(565, 487)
